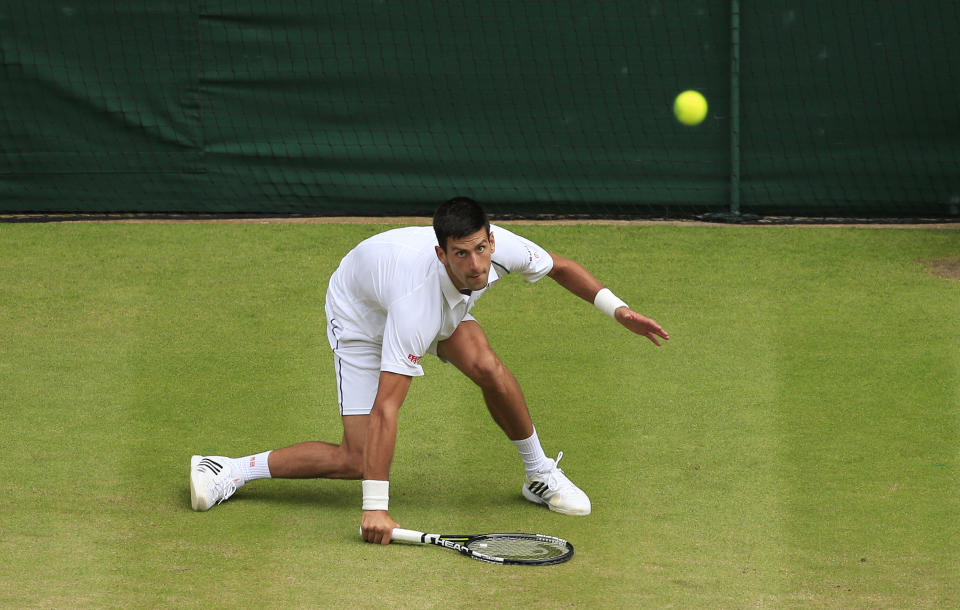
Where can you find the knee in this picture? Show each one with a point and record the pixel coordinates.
(354, 470)
(351, 463)
(486, 370)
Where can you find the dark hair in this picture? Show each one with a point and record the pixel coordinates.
(459, 217)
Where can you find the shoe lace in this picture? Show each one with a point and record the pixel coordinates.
(223, 486)
(224, 489)
(556, 480)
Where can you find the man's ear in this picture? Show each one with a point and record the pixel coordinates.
(441, 254)
(493, 245)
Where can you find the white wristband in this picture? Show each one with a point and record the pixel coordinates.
(608, 303)
(376, 495)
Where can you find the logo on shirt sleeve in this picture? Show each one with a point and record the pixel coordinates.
(414, 359)
(532, 255)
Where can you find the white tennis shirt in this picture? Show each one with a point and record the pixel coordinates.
(391, 290)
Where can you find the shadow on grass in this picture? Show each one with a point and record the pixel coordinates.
(312, 493)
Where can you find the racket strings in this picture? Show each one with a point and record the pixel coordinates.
(519, 548)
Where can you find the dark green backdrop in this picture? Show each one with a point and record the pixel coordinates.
(839, 107)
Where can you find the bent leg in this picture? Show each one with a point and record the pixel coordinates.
(315, 459)
(357, 369)
(469, 350)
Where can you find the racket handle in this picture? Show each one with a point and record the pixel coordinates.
(401, 535)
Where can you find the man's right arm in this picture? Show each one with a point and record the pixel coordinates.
(376, 524)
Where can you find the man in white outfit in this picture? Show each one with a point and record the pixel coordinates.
(396, 297)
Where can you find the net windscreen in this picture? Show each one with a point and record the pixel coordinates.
(845, 108)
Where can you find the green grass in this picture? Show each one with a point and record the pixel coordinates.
(795, 444)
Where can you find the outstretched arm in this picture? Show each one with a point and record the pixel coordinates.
(575, 278)
(376, 524)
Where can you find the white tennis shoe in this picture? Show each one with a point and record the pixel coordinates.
(553, 488)
(212, 480)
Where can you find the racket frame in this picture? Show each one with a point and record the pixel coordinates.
(459, 543)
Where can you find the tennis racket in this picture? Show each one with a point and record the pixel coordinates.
(507, 549)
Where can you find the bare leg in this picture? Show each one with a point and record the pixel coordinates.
(315, 459)
(469, 351)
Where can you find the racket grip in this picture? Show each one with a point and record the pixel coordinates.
(401, 535)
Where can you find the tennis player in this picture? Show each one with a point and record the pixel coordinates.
(395, 298)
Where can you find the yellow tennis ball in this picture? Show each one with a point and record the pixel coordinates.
(690, 107)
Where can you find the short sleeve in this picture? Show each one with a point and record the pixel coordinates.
(516, 254)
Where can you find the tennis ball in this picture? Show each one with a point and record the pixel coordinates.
(690, 107)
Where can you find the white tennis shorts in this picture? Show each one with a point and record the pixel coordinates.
(357, 368)
(356, 364)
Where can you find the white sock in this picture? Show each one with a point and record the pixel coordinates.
(253, 467)
(534, 459)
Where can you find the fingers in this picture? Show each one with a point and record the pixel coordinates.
(659, 332)
(376, 526)
(377, 536)
(381, 537)
(644, 326)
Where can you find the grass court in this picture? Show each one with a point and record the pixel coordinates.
(794, 445)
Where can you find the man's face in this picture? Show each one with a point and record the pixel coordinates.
(467, 259)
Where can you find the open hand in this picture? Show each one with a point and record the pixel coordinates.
(641, 325)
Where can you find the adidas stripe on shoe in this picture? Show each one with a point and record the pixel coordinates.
(212, 480)
(552, 488)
